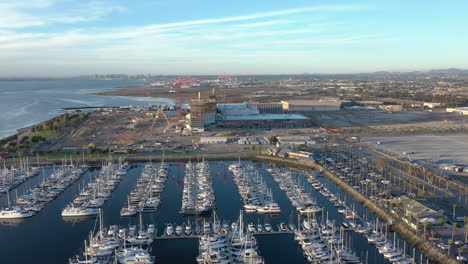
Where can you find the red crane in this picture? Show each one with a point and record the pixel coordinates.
(179, 82)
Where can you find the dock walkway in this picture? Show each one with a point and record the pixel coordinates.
(184, 236)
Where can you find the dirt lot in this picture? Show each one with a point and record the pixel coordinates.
(229, 95)
(115, 131)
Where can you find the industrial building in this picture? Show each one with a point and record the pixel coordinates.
(205, 113)
(245, 116)
(416, 213)
(267, 108)
(431, 105)
(266, 121)
(395, 108)
(213, 140)
(294, 141)
(202, 113)
(311, 105)
(238, 110)
(458, 110)
(301, 137)
(253, 141)
(300, 155)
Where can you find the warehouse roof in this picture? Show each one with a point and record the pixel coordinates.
(313, 101)
(267, 117)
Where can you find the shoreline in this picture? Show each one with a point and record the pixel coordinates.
(101, 92)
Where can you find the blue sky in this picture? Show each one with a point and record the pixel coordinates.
(74, 37)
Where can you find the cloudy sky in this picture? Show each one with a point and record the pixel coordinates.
(74, 37)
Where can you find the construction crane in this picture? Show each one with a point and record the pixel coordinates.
(160, 113)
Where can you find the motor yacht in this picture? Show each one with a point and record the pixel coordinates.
(169, 229)
(71, 211)
(178, 230)
(14, 213)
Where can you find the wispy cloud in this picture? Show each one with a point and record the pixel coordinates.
(190, 29)
(34, 13)
(267, 23)
(262, 15)
(258, 36)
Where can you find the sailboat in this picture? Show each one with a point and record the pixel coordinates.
(14, 212)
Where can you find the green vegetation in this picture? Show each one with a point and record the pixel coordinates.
(24, 143)
(44, 135)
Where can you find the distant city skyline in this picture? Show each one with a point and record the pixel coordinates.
(61, 38)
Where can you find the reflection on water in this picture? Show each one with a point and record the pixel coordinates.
(13, 222)
(78, 219)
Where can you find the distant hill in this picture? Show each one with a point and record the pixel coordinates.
(449, 71)
(385, 74)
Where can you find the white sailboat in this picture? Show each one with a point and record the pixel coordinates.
(14, 212)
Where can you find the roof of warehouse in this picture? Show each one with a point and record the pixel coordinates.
(312, 101)
(266, 117)
(463, 108)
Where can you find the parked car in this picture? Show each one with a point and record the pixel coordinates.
(443, 246)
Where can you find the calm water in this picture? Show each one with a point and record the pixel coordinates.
(24, 103)
(47, 238)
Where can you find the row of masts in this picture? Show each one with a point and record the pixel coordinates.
(115, 244)
(198, 194)
(97, 191)
(255, 194)
(146, 195)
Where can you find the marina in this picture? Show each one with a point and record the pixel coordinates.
(96, 192)
(147, 193)
(188, 230)
(324, 242)
(118, 245)
(224, 244)
(34, 200)
(256, 196)
(198, 196)
(299, 197)
(15, 175)
(376, 233)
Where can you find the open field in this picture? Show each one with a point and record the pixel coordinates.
(268, 93)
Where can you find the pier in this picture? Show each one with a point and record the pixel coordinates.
(183, 236)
